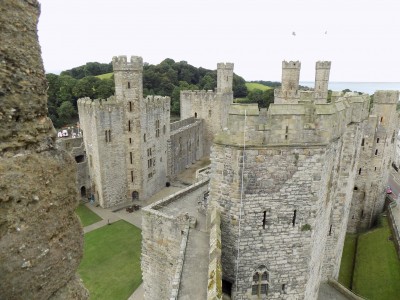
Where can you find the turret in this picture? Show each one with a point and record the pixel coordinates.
(128, 78)
(322, 70)
(288, 93)
(224, 77)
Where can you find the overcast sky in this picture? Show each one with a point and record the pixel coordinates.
(361, 38)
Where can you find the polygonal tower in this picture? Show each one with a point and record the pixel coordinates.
(224, 77)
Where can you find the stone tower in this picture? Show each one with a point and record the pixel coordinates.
(280, 183)
(224, 77)
(126, 138)
(377, 154)
(288, 93)
(210, 106)
(322, 70)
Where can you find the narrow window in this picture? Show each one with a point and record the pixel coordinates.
(287, 129)
(362, 213)
(264, 219)
(130, 141)
(131, 157)
(283, 290)
(377, 140)
(164, 129)
(376, 152)
(106, 136)
(129, 85)
(109, 135)
(144, 137)
(294, 217)
(195, 114)
(330, 230)
(80, 158)
(355, 188)
(129, 125)
(131, 176)
(381, 119)
(362, 142)
(359, 171)
(130, 106)
(375, 168)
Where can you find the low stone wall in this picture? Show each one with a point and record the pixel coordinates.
(214, 291)
(394, 226)
(346, 292)
(179, 266)
(164, 241)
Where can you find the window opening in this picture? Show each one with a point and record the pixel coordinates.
(294, 217)
(260, 283)
(131, 176)
(355, 188)
(283, 288)
(109, 135)
(129, 85)
(377, 140)
(359, 171)
(195, 114)
(330, 230)
(264, 219)
(129, 125)
(362, 213)
(130, 106)
(130, 140)
(164, 129)
(376, 152)
(131, 157)
(144, 137)
(80, 158)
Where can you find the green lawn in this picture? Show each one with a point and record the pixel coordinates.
(377, 270)
(105, 76)
(86, 215)
(110, 268)
(252, 86)
(347, 263)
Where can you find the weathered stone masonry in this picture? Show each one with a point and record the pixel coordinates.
(41, 239)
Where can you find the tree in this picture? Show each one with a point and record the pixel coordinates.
(86, 87)
(66, 112)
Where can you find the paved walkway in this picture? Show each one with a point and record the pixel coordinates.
(327, 292)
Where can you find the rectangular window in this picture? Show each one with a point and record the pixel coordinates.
(106, 136)
(131, 176)
(131, 157)
(129, 125)
(109, 135)
(130, 141)
(130, 106)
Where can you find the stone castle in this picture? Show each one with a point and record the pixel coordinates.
(284, 186)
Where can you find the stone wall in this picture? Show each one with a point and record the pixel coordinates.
(76, 148)
(103, 134)
(163, 237)
(41, 239)
(215, 268)
(186, 145)
(285, 216)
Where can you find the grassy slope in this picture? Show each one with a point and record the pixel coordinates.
(86, 215)
(110, 267)
(346, 265)
(251, 86)
(377, 271)
(105, 76)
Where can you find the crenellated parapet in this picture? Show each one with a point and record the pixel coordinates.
(388, 97)
(121, 63)
(88, 104)
(153, 102)
(198, 94)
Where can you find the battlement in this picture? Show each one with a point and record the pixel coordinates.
(156, 101)
(195, 93)
(291, 64)
(226, 66)
(323, 65)
(388, 97)
(120, 63)
(97, 104)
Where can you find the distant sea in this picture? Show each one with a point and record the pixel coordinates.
(364, 87)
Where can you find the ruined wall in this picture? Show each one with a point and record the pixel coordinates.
(41, 239)
(186, 145)
(76, 148)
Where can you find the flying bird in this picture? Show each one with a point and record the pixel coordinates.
(294, 33)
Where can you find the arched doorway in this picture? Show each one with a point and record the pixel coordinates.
(83, 191)
(135, 195)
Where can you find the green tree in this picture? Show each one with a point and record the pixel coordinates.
(66, 113)
(104, 89)
(86, 87)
